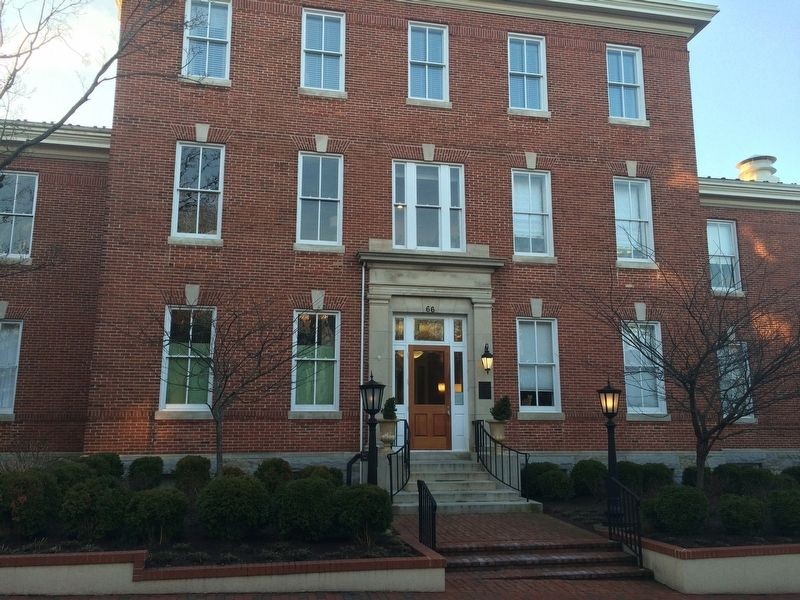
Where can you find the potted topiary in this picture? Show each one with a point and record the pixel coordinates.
(388, 424)
(501, 411)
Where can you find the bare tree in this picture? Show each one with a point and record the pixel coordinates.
(731, 353)
(39, 23)
(230, 350)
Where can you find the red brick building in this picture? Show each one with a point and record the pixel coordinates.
(405, 184)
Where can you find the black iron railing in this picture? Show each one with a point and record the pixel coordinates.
(400, 460)
(624, 521)
(358, 457)
(504, 463)
(427, 515)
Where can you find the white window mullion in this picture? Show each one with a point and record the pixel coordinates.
(411, 205)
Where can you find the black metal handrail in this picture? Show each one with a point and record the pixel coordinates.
(427, 515)
(359, 456)
(400, 460)
(503, 462)
(624, 520)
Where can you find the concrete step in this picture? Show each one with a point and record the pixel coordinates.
(472, 507)
(437, 456)
(470, 485)
(566, 572)
(482, 548)
(450, 496)
(451, 476)
(450, 466)
(474, 562)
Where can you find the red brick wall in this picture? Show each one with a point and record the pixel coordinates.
(264, 122)
(57, 306)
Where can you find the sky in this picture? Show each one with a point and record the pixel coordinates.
(745, 71)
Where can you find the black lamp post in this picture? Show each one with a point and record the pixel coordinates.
(609, 404)
(372, 400)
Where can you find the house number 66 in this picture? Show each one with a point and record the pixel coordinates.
(430, 309)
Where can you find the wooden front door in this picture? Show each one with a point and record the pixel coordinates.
(429, 397)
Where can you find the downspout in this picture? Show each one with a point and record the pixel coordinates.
(361, 372)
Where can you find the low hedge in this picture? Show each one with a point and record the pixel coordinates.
(157, 516)
(29, 502)
(793, 472)
(681, 510)
(233, 507)
(631, 475)
(530, 476)
(742, 480)
(94, 509)
(689, 477)
(191, 474)
(784, 508)
(68, 472)
(589, 478)
(273, 472)
(655, 476)
(306, 509)
(363, 511)
(332, 474)
(145, 473)
(554, 485)
(105, 464)
(741, 514)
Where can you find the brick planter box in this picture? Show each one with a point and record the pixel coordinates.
(124, 573)
(727, 570)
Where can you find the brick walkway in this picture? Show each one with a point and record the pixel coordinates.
(466, 585)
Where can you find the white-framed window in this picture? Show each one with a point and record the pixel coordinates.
(625, 82)
(723, 256)
(533, 219)
(17, 207)
(537, 356)
(206, 42)
(428, 62)
(527, 72)
(197, 202)
(634, 219)
(319, 199)
(734, 381)
(316, 361)
(322, 59)
(428, 204)
(188, 353)
(10, 339)
(644, 381)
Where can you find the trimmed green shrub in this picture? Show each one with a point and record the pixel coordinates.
(793, 472)
(681, 510)
(157, 516)
(145, 473)
(631, 475)
(364, 511)
(332, 474)
(306, 510)
(191, 474)
(105, 464)
(784, 508)
(755, 481)
(784, 482)
(529, 478)
(655, 476)
(726, 479)
(68, 472)
(741, 514)
(589, 478)
(689, 477)
(389, 412)
(28, 502)
(94, 509)
(232, 507)
(501, 411)
(273, 473)
(231, 471)
(648, 509)
(554, 485)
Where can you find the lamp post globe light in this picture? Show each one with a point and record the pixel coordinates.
(487, 359)
(609, 404)
(372, 401)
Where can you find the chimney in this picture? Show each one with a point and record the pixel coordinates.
(758, 168)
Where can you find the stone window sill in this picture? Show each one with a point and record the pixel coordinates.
(542, 260)
(648, 418)
(629, 122)
(334, 415)
(637, 264)
(300, 247)
(183, 415)
(540, 416)
(429, 103)
(727, 293)
(529, 112)
(7, 417)
(177, 240)
(16, 260)
(210, 81)
(332, 94)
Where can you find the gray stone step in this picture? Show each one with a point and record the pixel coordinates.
(470, 485)
(473, 507)
(437, 456)
(536, 559)
(444, 497)
(448, 465)
(566, 572)
(451, 476)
